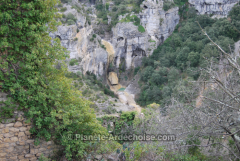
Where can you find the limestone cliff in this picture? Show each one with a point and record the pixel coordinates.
(159, 23)
(131, 45)
(75, 38)
(219, 8)
(125, 48)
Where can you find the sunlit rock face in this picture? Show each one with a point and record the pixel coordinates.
(219, 8)
(112, 77)
(159, 23)
(125, 48)
(75, 38)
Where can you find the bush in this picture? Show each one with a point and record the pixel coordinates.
(141, 29)
(60, 5)
(63, 9)
(66, 1)
(107, 6)
(70, 22)
(167, 6)
(133, 18)
(73, 62)
(136, 70)
(75, 39)
(70, 16)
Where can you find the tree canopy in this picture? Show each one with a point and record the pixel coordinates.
(28, 75)
(187, 50)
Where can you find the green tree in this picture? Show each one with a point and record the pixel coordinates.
(172, 75)
(193, 57)
(28, 75)
(146, 75)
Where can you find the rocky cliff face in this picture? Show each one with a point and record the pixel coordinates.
(219, 8)
(159, 23)
(89, 55)
(131, 45)
(125, 48)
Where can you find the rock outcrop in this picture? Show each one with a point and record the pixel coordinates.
(76, 39)
(112, 77)
(219, 8)
(159, 24)
(130, 45)
(125, 48)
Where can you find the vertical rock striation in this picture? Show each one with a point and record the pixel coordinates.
(219, 8)
(125, 48)
(132, 45)
(159, 23)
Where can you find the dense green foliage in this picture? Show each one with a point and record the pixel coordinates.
(184, 52)
(73, 62)
(133, 18)
(120, 8)
(92, 77)
(28, 76)
(168, 4)
(141, 28)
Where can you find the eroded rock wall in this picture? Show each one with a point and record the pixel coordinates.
(76, 39)
(219, 8)
(159, 24)
(130, 45)
(125, 48)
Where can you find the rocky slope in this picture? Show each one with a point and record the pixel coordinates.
(219, 8)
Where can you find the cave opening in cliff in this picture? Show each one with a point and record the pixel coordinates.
(138, 52)
(161, 39)
(120, 38)
(145, 7)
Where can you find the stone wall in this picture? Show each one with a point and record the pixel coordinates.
(16, 142)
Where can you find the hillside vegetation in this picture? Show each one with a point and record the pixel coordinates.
(184, 53)
(33, 84)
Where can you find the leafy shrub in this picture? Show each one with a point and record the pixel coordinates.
(133, 18)
(73, 62)
(60, 5)
(167, 6)
(70, 22)
(141, 29)
(136, 70)
(107, 6)
(66, 1)
(70, 16)
(75, 39)
(63, 9)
